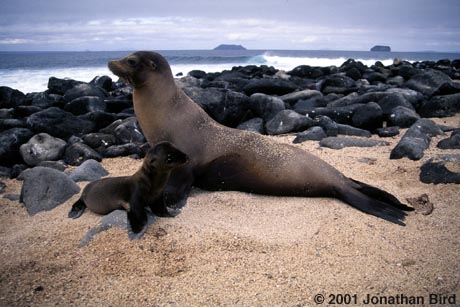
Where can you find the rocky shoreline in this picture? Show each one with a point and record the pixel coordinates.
(73, 122)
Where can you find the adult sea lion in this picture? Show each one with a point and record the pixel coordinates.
(223, 158)
(133, 193)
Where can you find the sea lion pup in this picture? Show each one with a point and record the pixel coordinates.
(223, 158)
(133, 193)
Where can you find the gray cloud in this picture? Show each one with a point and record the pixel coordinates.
(269, 24)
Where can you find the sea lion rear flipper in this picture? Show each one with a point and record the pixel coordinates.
(372, 206)
(77, 209)
(379, 194)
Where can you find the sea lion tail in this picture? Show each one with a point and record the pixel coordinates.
(77, 209)
(380, 195)
(373, 205)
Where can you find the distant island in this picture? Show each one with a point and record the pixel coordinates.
(381, 48)
(229, 47)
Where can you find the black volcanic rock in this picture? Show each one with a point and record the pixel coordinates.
(60, 86)
(311, 134)
(416, 140)
(441, 106)
(82, 90)
(287, 121)
(77, 153)
(428, 81)
(59, 123)
(10, 141)
(45, 188)
(42, 147)
(269, 86)
(44, 100)
(10, 98)
(441, 169)
(129, 131)
(305, 71)
(265, 106)
(453, 142)
(369, 116)
(342, 142)
(85, 104)
(403, 117)
(104, 82)
(255, 124)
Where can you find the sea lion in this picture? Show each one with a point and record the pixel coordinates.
(133, 193)
(223, 158)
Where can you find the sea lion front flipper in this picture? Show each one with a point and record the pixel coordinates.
(161, 210)
(77, 209)
(137, 216)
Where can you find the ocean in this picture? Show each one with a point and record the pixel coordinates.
(30, 71)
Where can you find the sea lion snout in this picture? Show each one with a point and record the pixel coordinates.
(167, 155)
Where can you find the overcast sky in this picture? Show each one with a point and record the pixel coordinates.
(405, 25)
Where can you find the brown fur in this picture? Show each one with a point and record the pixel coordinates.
(223, 158)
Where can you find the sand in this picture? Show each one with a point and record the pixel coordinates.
(239, 249)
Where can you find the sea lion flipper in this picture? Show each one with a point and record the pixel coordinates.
(137, 219)
(77, 209)
(159, 209)
(380, 195)
(372, 206)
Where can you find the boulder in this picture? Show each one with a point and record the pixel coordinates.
(269, 86)
(104, 82)
(77, 153)
(368, 117)
(225, 106)
(42, 147)
(287, 121)
(255, 124)
(85, 104)
(90, 170)
(391, 101)
(9, 123)
(342, 142)
(329, 126)
(82, 90)
(441, 169)
(305, 71)
(453, 142)
(352, 131)
(44, 100)
(121, 150)
(26, 111)
(387, 131)
(403, 117)
(45, 188)
(10, 141)
(416, 140)
(311, 134)
(129, 131)
(265, 106)
(59, 123)
(292, 98)
(10, 98)
(60, 86)
(99, 140)
(441, 106)
(428, 81)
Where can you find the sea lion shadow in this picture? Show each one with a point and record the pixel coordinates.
(118, 219)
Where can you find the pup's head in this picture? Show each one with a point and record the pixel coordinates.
(140, 67)
(164, 156)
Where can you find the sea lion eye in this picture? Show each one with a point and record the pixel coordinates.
(131, 62)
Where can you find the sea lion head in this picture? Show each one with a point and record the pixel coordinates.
(140, 68)
(164, 156)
